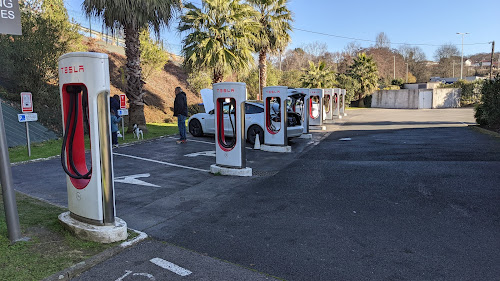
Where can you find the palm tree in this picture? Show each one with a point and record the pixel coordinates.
(275, 22)
(318, 76)
(364, 71)
(220, 38)
(134, 16)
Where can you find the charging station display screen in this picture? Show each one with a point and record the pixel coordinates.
(226, 120)
(273, 118)
(314, 104)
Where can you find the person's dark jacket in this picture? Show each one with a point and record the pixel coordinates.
(114, 104)
(180, 105)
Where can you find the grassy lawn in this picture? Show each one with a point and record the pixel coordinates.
(53, 147)
(50, 249)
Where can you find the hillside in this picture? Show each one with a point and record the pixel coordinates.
(159, 88)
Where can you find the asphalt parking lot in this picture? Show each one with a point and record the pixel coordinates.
(381, 195)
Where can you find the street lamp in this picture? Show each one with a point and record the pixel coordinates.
(462, 60)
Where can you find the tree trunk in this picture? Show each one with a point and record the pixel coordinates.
(218, 76)
(133, 89)
(361, 100)
(263, 71)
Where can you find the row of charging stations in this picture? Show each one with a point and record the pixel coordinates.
(85, 88)
(314, 107)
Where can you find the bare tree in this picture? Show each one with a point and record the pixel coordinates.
(416, 59)
(446, 51)
(382, 41)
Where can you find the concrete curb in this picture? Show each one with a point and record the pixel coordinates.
(484, 131)
(83, 266)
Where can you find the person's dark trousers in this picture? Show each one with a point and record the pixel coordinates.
(114, 137)
(181, 123)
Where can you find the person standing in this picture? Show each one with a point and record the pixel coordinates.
(181, 112)
(114, 127)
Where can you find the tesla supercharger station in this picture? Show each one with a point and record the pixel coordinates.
(336, 102)
(342, 103)
(327, 104)
(84, 86)
(304, 112)
(315, 107)
(229, 102)
(275, 118)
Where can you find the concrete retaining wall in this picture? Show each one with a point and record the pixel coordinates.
(409, 98)
(446, 98)
(395, 99)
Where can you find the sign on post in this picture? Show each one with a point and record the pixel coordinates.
(123, 111)
(10, 18)
(27, 108)
(123, 101)
(10, 23)
(26, 101)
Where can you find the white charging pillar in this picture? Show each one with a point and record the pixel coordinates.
(327, 104)
(336, 102)
(304, 112)
(84, 86)
(229, 110)
(275, 119)
(342, 105)
(315, 107)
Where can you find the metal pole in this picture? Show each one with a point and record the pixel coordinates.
(9, 197)
(406, 72)
(453, 69)
(462, 59)
(123, 128)
(491, 60)
(394, 67)
(28, 138)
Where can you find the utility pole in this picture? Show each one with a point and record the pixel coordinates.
(453, 69)
(406, 72)
(394, 67)
(462, 60)
(491, 60)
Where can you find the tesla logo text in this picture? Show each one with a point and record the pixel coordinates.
(72, 69)
(225, 90)
(272, 92)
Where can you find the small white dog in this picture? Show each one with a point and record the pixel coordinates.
(138, 132)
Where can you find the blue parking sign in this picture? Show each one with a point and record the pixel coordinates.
(21, 117)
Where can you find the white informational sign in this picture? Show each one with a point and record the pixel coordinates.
(10, 18)
(122, 112)
(26, 101)
(27, 117)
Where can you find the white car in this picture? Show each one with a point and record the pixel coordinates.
(204, 123)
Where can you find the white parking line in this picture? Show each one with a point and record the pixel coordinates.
(170, 266)
(161, 162)
(206, 142)
(192, 140)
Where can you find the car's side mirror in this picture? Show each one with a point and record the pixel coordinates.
(211, 112)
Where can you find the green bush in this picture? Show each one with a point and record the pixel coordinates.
(470, 92)
(488, 110)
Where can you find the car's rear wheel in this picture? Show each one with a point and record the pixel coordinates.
(252, 132)
(195, 128)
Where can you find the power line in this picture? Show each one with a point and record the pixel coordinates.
(373, 41)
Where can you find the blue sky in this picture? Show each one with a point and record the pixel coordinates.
(417, 22)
